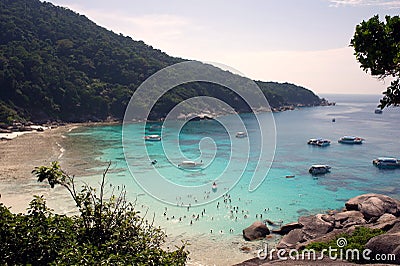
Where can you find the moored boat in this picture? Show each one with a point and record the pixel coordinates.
(386, 163)
(152, 138)
(319, 142)
(351, 140)
(241, 134)
(324, 143)
(378, 111)
(190, 165)
(319, 169)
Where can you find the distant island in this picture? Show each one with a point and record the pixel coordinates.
(57, 65)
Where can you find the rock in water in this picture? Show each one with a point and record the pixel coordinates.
(255, 231)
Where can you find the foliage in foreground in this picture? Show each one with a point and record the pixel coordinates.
(357, 240)
(106, 232)
(377, 49)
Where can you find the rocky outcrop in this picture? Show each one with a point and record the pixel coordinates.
(285, 229)
(374, 211)
(374, 205)
(386, 246)
(315, 226)
(256, 231)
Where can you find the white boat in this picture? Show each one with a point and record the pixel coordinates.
(386, 162)
(351, 140)
(323, 143)
(319, 142)
(152, 138)
(214, 187)
(319, 169)
(241, 134)
(190, 165)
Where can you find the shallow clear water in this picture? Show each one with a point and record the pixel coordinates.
(215, 228)
(278, 199)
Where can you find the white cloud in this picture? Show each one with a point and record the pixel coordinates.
(389, 4)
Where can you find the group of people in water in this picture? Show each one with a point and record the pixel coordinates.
(233, 211)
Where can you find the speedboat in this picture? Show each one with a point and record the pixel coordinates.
(386, 162)
(152, 138)
(241, 134)
(319, 142)
(319, 169)
(350, 140)
(190, 165)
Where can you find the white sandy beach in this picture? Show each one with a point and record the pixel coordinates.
(20, 155)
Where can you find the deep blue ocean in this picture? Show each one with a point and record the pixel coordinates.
(278, 198)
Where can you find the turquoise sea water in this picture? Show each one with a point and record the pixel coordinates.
(278, 199)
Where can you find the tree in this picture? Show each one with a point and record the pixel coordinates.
(377, 48)
(106, 231)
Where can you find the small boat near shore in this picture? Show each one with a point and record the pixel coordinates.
(319, 169)
(351, 140)
(191, 165)
(319, 142)
(386, 163)
(152, 138)
(241, 134)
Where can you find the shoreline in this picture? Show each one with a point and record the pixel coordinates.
(19, 156)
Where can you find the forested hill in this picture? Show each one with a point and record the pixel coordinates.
(58, 65)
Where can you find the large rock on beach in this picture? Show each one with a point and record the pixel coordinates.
(285, 229)
(374, 205)
(348, 218)
(386, 246)
(315, 226)
(256, 231)
(292, 239)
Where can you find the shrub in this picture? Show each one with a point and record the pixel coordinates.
(105, 231)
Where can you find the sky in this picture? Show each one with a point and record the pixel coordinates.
(305, 42)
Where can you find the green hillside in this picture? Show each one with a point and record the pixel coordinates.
(58, 65)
